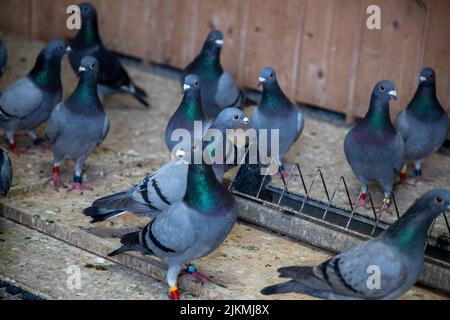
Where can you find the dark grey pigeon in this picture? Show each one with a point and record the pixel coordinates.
(29, 101)
(157, 191)
(276, 111)
(189, 229)
(219, 89)
(189, 111)
(373, 147)
(6, 174)
(78, 124)
(424, 124)
(396, 255)
(3, 57)
(112, 77)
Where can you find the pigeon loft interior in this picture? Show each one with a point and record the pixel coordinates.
(358, 93)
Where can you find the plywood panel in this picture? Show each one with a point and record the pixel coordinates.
(390, 53)
(273, 39)
(327, 52)
(15, 17)
(226, 16)
(437, 47)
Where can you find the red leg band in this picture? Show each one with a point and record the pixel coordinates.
(56, 170)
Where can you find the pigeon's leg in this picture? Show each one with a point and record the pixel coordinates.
(362, 198)
(418, 173)
(56, 178)
(172, 276)
(37, 142)
(77, 181)
(12, 144)
(191, 270)
(386, 204)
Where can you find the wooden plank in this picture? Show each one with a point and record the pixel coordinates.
(226, 16)
(327, 52)
(437, 48)
(15, 17)
(390, 53)
(272, 40)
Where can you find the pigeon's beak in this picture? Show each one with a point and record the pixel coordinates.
(393, 94)
(80, 71)
(186, 87)
(246, 121)
(68, 49)
(422, 79)
(219, 42)
(180, 153)
(261, 80)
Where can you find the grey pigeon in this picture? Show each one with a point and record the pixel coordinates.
(424, 124)
(276, 112)
(112, 77)
(188, 229)
(189, 111)
(373, 147)
(157, 191)
(219, 89)
(6, 174)
(78, 124)
(3, 57)
(396, 255)
(29, 101)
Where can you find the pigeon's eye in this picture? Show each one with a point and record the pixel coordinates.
(61, 48)
(271, 75)
(92, 65)
(236, 117)
(439, 200)
(382, 88)
(196, 83)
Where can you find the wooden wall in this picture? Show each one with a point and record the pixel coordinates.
(322, 50)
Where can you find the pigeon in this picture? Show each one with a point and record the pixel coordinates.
(78, 124)
(29, 101)
(396, 256)
(3, 57)
(189, 110)
(219, 89)
(6, 174)
(188, 229)
(112, 77)
(157, 191)
(276, 112)
(423, 125)
(374, 148)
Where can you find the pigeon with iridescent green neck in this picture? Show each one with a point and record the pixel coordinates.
(29, 101)
(167, 185)
(3, 57)
(396, 256)
(189, 229)
(78, 124)
(276, 112)
(373, 147)
(189, 111)
(424, 124)
(219, 89)
(112, 77)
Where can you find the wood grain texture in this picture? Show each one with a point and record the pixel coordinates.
(15, 17)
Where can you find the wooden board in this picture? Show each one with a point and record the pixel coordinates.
(15, 17)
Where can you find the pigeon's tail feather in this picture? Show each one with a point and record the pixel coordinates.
(296, 272)
(141, 99)
(286, 287)
(130, 242)
(100, 214)
(141, 92)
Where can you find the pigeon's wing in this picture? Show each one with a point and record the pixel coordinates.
(172, 231)
(105, 130)
(228, 93)
(402, 125)
(300, 123)
(111, 72)
(21, 98)
(5, 173)
(55, 123)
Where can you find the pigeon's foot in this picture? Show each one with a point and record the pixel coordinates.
(41, 146)
(191, 270)
(404, 179)
(16, 150)
(81, 187)
(386, 207)
(285, 174)
(174, 293)
(423, 179)
(57, 182)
